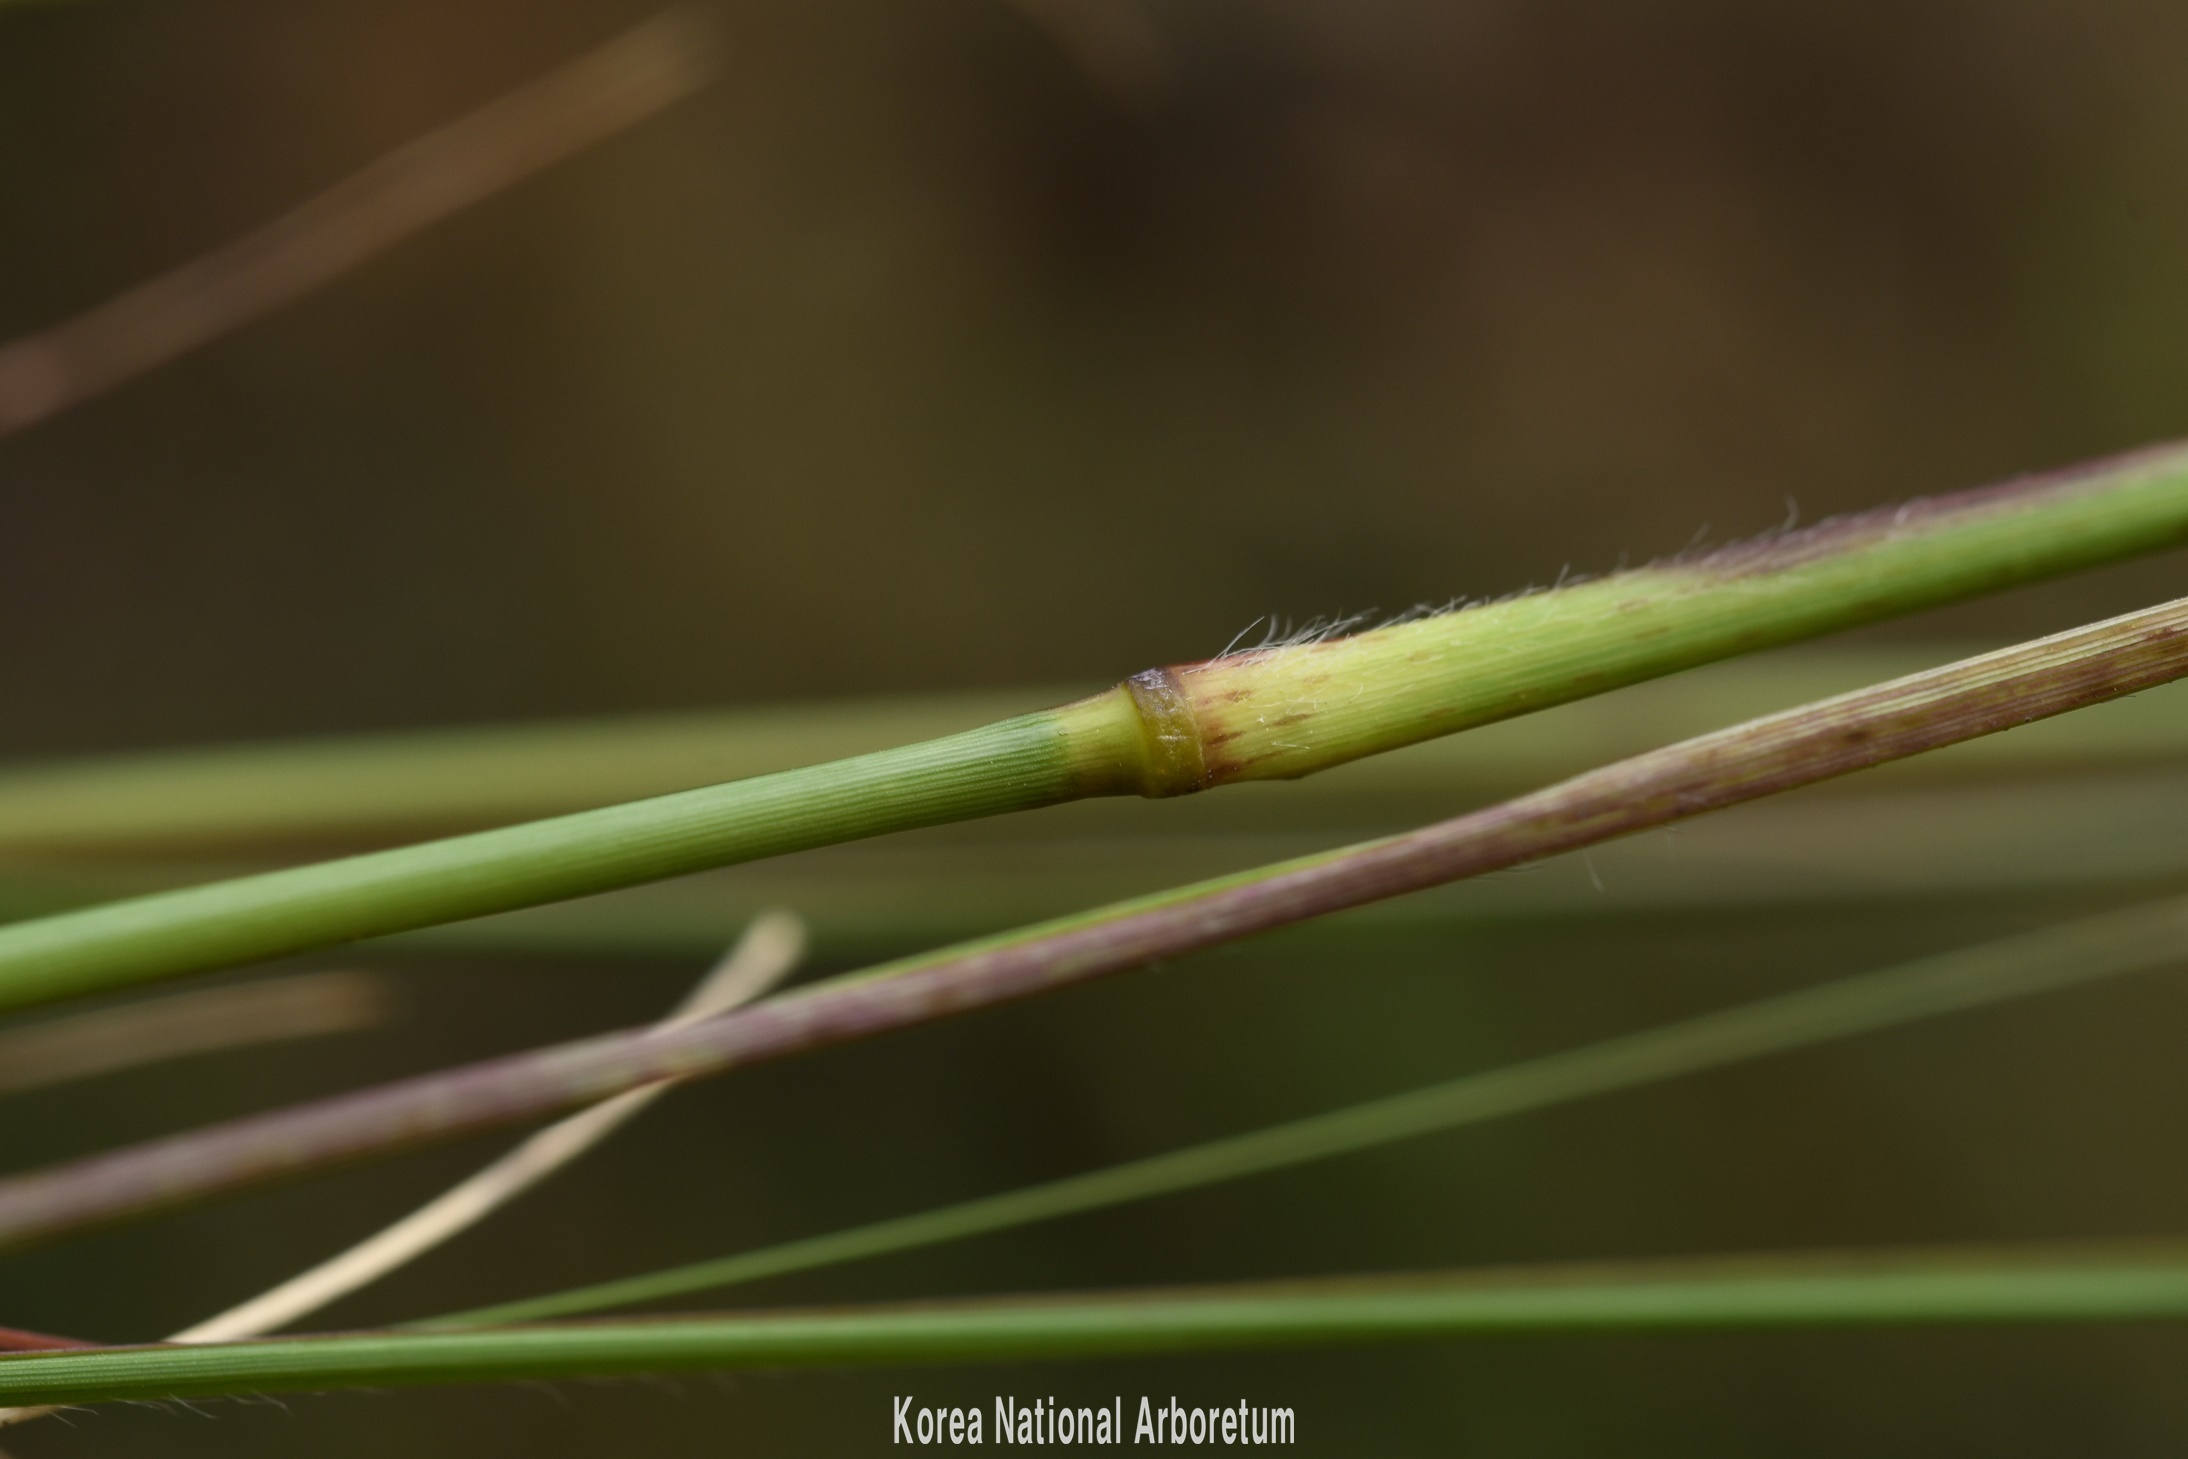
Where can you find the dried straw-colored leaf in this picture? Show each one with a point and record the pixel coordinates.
(766, 953)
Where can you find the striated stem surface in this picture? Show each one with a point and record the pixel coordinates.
(2115, 1283)
(1271, 713)
(2134, 940)
(1871, 726)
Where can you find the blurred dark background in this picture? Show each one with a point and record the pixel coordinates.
(972, 343)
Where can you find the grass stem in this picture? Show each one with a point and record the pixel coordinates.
(1272, 713)
(1965, 1286)
(2134, 940)
(624, 82)
(1802, 746)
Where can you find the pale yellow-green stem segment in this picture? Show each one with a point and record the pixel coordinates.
(1288, 712)
(1273, 713)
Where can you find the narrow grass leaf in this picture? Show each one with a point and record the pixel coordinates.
(2135, 940)
(1268, 714)
(1814, 743)
(194, 806)
(200, 1021)
(761, 959)
(622, 83)
(1967, 1286)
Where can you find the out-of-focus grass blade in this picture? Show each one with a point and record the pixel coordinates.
(2134, 940)
(2059, 837)
(456, 166)
(767, 951)
(1805, 746)
(378, 789)
(1831, 1290)
(201, 1021)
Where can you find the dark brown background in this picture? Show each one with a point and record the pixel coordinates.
(912, 356)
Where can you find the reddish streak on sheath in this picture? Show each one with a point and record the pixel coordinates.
(21, 1340)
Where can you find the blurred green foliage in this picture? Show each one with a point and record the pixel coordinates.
(915, 357)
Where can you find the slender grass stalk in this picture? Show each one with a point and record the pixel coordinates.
(626, 81)
(2057, 839)
(200, 1021)
(1965, 1286)
(1268, 714)
(386, 787)
(182, 807)
(1816, 742)
(766, 953)
(761, 958)
(1278, 715)
(1901, 838)
(2135, 940)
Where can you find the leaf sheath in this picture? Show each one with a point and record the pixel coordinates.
(1275, 713)
(1816, 742)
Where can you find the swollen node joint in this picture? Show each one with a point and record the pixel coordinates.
(1171, 762)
